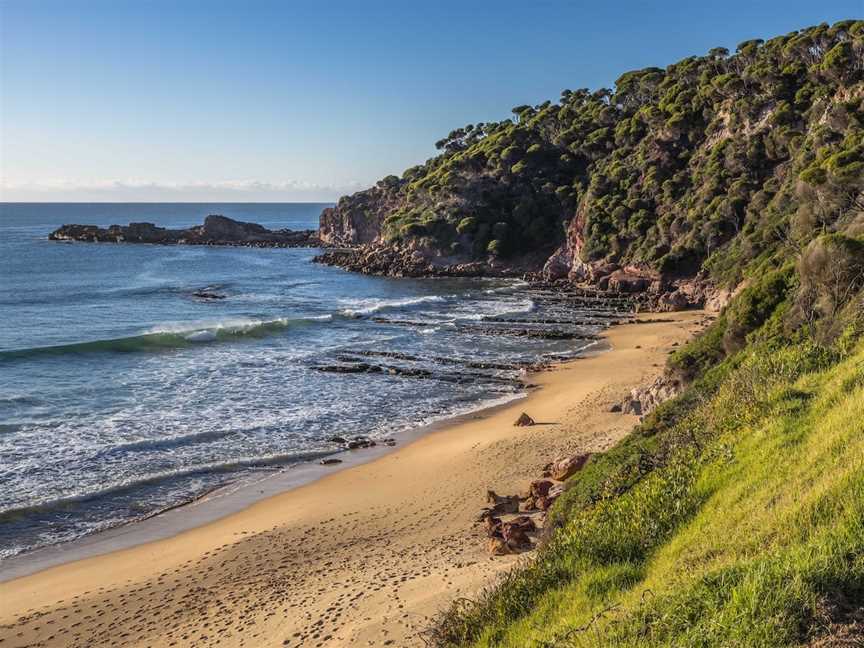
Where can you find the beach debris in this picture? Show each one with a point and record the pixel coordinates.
(566, 467)
(524, 420)
(330, 462)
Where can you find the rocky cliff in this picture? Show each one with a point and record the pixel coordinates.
(676, 182)
(216, 230)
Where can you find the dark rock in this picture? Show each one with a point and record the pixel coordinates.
(330, 462)
(540, 488)
(492, 525)
(216, 230)
(203, 294)
(338, 439)
(524, 420)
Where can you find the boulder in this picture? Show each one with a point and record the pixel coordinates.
(643, 400)
(493, 526)
(226, 229)
(359, 444)
(523, 522)
(498, 547)
(626, 282)
(568, 466)
(540, 488)
(674, 301)
(524, 420)
(502, 505)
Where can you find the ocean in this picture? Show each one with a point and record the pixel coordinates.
(122, 393)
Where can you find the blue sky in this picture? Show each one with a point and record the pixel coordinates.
(247, 100)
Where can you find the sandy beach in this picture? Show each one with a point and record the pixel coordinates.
(362, 557)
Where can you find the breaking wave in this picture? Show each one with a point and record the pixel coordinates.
(167, 338)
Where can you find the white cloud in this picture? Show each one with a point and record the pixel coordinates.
(134, 190)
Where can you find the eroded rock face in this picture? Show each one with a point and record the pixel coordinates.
(216, 230)
(357, 219)
(643, 400)
(410, 261)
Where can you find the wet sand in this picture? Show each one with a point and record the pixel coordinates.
(362, 557)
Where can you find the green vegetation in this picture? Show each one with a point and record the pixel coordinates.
(733, 515)
(718, 160)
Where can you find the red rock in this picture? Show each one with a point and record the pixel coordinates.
(565, 468)
(493, 526)
(540, 488)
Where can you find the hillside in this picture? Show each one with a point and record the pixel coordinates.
(733, 515)
(695, 170)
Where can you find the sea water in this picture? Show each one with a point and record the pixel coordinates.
(123, 393)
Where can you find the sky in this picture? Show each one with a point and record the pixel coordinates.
(247, 101)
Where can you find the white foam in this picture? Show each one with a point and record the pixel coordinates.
(370, 306)
(202, 336)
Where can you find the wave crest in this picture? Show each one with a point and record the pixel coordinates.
(165, 338)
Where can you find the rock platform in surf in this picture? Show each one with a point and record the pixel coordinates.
(216, 230)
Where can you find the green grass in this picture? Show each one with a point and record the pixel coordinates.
(745, 528)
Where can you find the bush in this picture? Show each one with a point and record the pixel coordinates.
(831, 271)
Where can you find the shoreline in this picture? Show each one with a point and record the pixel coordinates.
(234, 497)
(361, 556)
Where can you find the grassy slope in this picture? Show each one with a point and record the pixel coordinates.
(746, 529)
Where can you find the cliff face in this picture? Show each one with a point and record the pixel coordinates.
(679, 178)
(357, 219)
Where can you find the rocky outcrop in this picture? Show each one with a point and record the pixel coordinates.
(216, 230)
(392, 260)
(357, 222)
(565, 467)
(643, 400)
(357, 219)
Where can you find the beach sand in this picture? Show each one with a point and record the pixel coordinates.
(363, 557)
